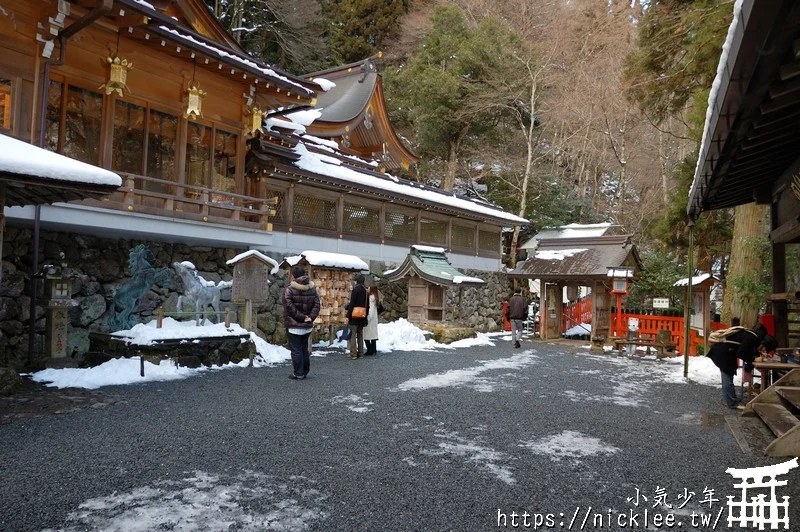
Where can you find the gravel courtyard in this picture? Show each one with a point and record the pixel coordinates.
(481, 438)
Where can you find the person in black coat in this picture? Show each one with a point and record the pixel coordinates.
(358, 299)
(300, 309)
(744, 345)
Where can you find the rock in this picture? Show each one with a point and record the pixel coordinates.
(9, 309)
(77, 342)
(10, 381)
(87, 310)
(13, 282)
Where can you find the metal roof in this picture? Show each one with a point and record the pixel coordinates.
(751, 135)
(431, 265)
(574, 259)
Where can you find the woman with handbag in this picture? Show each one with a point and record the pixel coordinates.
(357, 312)
(371, 330)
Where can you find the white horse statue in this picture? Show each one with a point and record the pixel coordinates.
(204, 293)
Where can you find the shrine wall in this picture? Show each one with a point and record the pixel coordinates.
(98, 267)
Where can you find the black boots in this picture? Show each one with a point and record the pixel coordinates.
(372, 346)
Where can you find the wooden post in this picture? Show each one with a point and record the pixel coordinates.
(247, 319)
(228, 318)
(159, 317)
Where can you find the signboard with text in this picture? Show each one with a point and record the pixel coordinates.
(660, 302)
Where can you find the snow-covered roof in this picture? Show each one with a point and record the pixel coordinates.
(558, 254)
(21, 158)
(696, 280)
(716, 87)
(567, 231)
(257, 254)
(231, 56)
(332, 167)
(429, 249)
(328, 260)
(620, 272)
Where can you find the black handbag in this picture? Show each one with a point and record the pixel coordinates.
(345, 334)
(380, 308)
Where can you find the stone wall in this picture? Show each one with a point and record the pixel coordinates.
(99, 267)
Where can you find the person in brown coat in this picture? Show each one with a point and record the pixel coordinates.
(300, 309)
(517, 313)
(358, 299)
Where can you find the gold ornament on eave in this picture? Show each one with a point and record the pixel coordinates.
(194, 105)
(117, 75)
(254, 121)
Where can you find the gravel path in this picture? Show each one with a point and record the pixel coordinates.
(433, 441)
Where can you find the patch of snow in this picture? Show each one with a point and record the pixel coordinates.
(23, 159)
(569, 444)
(258, 254)
(558, 254)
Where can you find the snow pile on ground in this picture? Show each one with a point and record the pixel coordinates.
(579, 330)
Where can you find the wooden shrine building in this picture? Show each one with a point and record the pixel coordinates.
(353, 113)
(429, 275)
(160, 94)
(750, 150)
(561, 262)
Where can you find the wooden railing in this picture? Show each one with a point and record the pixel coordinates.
(180, 200)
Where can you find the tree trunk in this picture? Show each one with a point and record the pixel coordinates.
(750, 224)
(449, 179)
(523, 203)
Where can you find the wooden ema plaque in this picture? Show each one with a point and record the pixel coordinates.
(333, 287)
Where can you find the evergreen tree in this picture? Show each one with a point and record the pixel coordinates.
(360, 27)
(456, 88)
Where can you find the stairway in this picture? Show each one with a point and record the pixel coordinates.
(771, 421)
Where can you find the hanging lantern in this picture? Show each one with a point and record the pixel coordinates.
(194, 106)
(255, 120)
(117, 75)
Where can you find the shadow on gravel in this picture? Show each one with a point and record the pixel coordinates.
(35, 400)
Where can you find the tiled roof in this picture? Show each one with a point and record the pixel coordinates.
(578, 258)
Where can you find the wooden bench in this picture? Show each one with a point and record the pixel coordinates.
(662, 343)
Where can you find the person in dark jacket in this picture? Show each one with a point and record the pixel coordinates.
(300, 309)
(742, 345)
(517, 313)
(358, 298)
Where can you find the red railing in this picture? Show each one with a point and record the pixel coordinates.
(576, 313)
(649, 326)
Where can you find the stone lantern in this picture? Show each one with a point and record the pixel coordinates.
(57, 301)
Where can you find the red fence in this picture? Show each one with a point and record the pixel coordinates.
(576, 313)
(649, 325)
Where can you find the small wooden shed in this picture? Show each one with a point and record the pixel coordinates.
(332, 275)
(429, 275)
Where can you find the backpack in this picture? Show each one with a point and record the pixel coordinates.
(721, 336)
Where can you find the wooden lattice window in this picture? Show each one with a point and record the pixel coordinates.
(489, 241)
(361, 220)
(314, 212)
(400, 226)
(280, 207)
(462, 236)
(5, 103)
(433, 231)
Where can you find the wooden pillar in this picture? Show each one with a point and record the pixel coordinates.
(601, 311)
(780, 309)
(2, 225)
